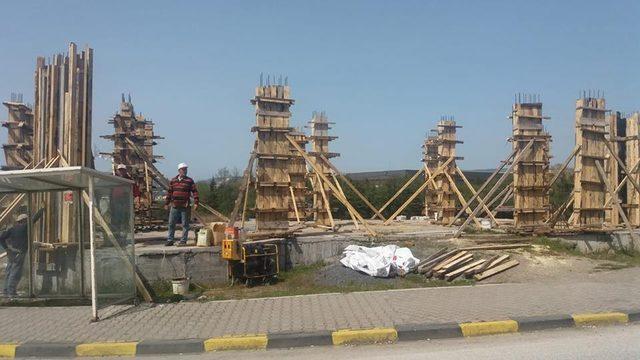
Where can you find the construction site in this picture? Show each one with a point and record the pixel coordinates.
(502, 227)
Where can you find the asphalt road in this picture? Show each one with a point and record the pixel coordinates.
(616, 342)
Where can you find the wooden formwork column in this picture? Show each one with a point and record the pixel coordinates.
(19, 124)
(446, 201)
(320, 140)
(298, 176)
(273, 152)
(589, 190)
(632, 153)
(531, 172)
(134, 130)
(430, 160)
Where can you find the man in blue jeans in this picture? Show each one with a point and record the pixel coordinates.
(179, 199)
(16, 243)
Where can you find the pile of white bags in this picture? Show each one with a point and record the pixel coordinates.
(380, 261)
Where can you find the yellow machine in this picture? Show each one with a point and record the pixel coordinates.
(251, 261)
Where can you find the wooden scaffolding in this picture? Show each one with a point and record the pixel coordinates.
(62, 134)
(132, 131)
(446, 203)
(589, 190)
(618, 140)
(19, 124)
(272, 154)
(298, 176)
(322, 193)
(531, 172)
(430, 162)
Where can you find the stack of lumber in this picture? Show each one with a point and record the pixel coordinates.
(449, 265)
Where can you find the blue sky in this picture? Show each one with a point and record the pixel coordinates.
(384, 71)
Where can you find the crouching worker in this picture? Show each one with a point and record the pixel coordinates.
(179, 199)
(16, 243)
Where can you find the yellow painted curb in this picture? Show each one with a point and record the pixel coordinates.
(364, 336)
(107, 349)
(8, 350)
(247, 342)
(489, 327)
(600, 319)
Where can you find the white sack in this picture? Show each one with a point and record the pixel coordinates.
(380, 261)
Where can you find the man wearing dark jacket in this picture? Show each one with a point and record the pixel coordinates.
(179, 199)
(15, 241)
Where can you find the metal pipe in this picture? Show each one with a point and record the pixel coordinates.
(92, 251)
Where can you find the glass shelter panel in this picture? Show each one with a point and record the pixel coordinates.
(56, 240)
(114, 243)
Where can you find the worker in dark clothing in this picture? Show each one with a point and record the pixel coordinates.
(16, 243)
(179, 199)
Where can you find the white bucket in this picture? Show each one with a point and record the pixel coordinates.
(180, 286)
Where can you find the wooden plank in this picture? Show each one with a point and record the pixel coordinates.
(496, 270)
(295, 206)
(428, 265)
(450, 260)
(458, 193)
(454, 274)
(325, 200)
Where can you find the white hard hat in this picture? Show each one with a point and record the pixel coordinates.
(182, 165)
(121, 166)
(22, 217)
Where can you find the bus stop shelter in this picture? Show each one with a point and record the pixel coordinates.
(79, 235)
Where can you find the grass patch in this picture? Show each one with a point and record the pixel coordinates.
(557, 246)
(302, 281)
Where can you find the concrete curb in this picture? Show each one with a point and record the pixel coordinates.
(339, 337)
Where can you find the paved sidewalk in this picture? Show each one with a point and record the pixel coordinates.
(607, 291)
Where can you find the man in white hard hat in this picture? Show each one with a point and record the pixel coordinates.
(178, 202)
(16, 243)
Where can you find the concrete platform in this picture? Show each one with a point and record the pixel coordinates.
(203, 264)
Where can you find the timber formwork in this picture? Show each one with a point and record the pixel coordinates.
(322, 193)
(19, 124)
(272, 153)
(430, 162)
(62, 132)
(298, 176)
(632, 156)
(446, 202)
(531, 171)
(618, 140)
(590, 191)
(134, 130)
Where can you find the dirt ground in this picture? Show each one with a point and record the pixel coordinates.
(546, 260)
